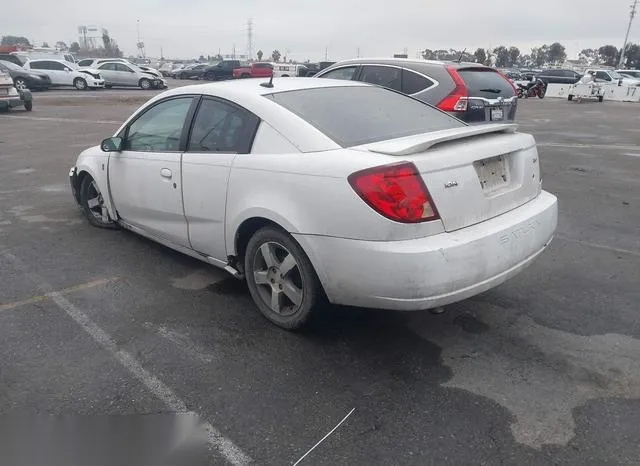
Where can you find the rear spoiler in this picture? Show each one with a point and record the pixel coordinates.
(423, 142)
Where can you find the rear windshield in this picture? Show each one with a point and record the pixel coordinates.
(354, 115)
(485, 82)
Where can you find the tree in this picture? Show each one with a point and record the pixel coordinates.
(428, 54)
(632, 57)
(589, 56)
(557, 53)
(608, 55)
(111, 48)
(275, 55)
(201, 58)
(502, 56)
(480, 56)
(540, 55)
(74, 47)
(15, 40)
(260, 54)
(514, 56)
(45, 45)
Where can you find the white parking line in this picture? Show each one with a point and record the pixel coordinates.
(216, 440)
(69, 120)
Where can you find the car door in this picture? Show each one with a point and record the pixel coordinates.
(220, 131)
(145, 179)
(127, 75)
(109, 73)
(46, 67)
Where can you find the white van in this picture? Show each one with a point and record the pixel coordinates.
(286, 70)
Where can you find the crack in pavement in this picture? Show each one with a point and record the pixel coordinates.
(539, 374)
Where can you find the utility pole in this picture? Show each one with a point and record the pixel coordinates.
(626, 37)
(358, 53)
(326, 53)
(250, 39)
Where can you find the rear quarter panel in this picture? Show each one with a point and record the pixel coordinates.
(309, 194)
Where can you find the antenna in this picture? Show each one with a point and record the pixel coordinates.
(249, 39)
(269, 84)
(626, 37)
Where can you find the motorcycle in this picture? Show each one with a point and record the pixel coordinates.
(537, 89)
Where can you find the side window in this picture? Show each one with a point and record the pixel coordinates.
(602, 75)
(222, 127)
(159, 129)
(413, 83)
(121, 67)
(346, 72)
(385, 76)
(54, 65)
(108, 67)
(39, 65)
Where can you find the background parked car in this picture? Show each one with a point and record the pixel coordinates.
(559, 76)
(63, 73)
(129, 75)
(194, 71)
(472, 92)
(11, 58)
(25, 79)
(10, 97)
(633, 74)
(255, 70)
(612, 77)
(223, 70)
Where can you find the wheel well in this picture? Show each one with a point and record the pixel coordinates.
(244, 234)
(79, 179)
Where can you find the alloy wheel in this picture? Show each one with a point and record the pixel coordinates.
(278, 278)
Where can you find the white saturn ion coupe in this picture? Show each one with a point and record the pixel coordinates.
(314, 189)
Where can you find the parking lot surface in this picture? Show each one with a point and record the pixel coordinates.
(544, 369)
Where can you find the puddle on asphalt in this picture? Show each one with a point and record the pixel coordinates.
(539, 374)
(200, 279)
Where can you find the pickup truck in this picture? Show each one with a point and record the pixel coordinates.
(222, 70)
(255, 70)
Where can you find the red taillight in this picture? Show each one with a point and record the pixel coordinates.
(457, 100)
(395, 191)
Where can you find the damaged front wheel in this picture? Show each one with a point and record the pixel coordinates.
(93, 205)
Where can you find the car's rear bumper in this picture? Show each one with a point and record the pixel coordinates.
(434, 271)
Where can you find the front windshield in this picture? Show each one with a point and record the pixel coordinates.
(11, 66)
(615, 75)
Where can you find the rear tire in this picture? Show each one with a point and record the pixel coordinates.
(145, 84)
(281, 279)
(80, 84)
(210, 76)
(28, 105)
(92, 204)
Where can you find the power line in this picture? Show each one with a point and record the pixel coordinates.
(626, 37)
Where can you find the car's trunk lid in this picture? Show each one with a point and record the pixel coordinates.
(472, 173)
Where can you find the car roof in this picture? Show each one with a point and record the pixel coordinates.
(406, 62)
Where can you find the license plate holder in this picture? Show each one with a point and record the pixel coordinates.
(497, 113)
(493, 173)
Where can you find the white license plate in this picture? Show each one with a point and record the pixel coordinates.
(492, 173)
(497, 114)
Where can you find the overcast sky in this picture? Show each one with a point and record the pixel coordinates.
(188, 28)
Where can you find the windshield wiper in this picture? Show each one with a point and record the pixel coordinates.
(493, 91)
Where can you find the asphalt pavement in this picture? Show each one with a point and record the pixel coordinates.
(544, 369)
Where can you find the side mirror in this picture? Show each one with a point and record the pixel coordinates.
(111, 145)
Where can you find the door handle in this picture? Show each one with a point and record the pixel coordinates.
(166, 173)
